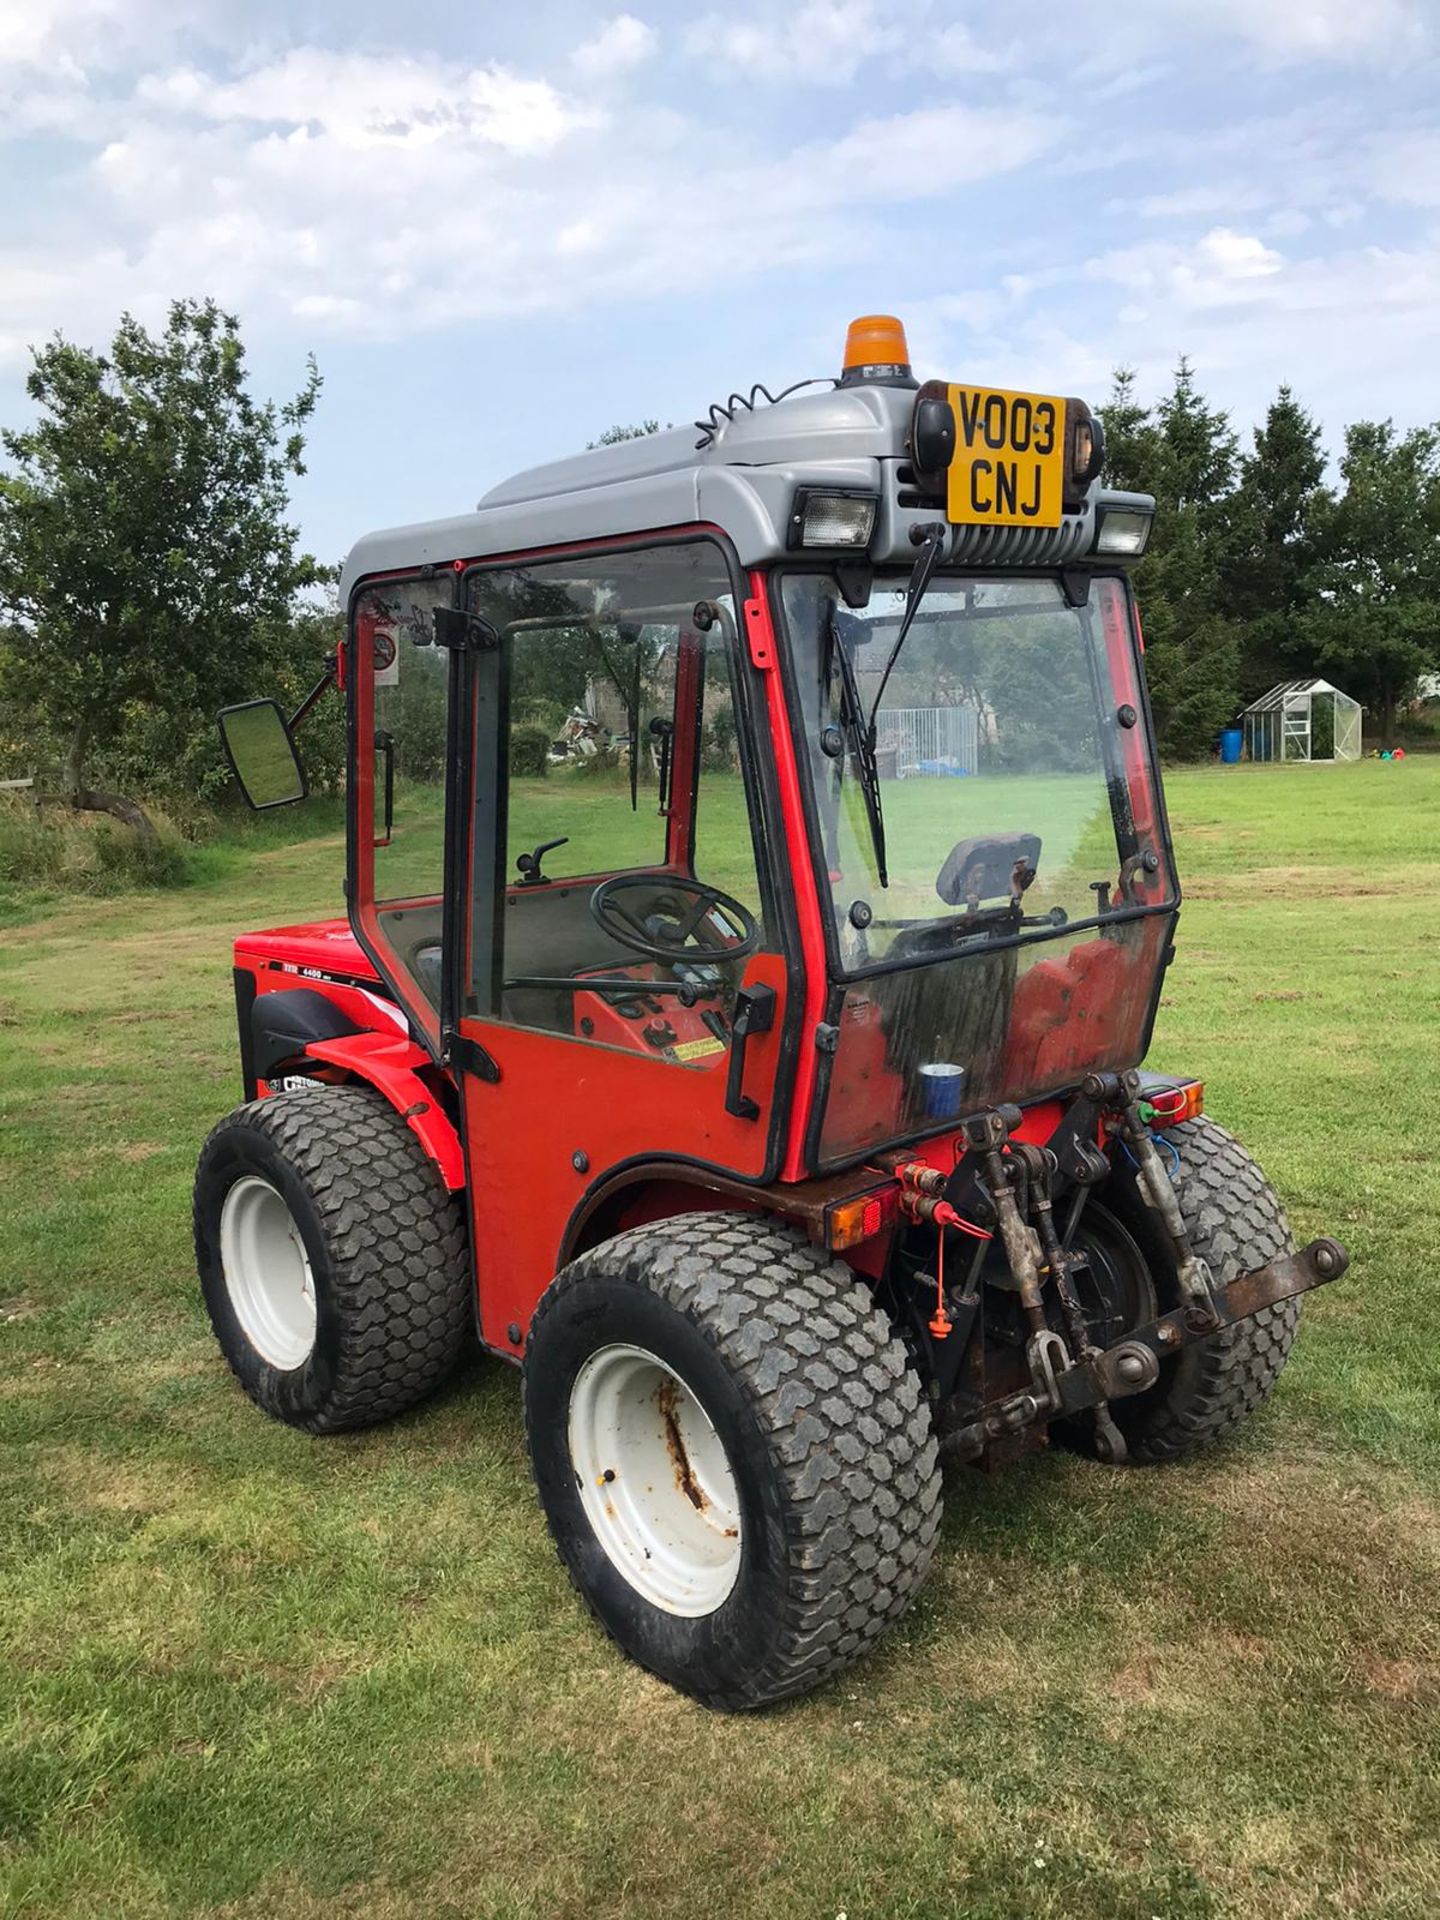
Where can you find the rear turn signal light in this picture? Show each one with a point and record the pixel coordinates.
(850, 1222)
(1168, 1106)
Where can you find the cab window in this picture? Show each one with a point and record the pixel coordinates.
(395, 630)
(632, 896)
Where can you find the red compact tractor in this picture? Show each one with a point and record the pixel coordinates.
(757, 1066)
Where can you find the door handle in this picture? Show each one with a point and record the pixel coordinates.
(754, 1013)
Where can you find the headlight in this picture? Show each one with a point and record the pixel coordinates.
(1123, 532)
(832, 519)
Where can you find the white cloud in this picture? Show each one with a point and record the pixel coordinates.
(1125, 34)
(824, 42)
(1388, 32)
(1217, 270)
(360, 193)
(1247, 317)
(385, 203)
(621, 45)
(956, 50)
(46, 32)
(1235, 256)
(1114, 42)
(368, 99)
(1188, 202)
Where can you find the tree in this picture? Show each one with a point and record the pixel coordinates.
(613, 436)
(1376, 624)
(1269, 568)
(1130, 437)
(146, 566)
(1192, 644)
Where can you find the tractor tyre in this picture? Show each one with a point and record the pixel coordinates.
(733, 1453)
(1235, 1223)
(332, 1260)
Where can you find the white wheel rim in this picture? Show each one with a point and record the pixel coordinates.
(655, 1480)
(267, 1273)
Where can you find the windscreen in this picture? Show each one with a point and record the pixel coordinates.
(987, 823)
(1000, 788)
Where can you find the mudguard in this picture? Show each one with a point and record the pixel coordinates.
(393, 1066)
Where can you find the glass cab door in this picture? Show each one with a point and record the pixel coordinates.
(621, 990)
(400, 706)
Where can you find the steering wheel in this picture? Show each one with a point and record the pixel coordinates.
(677, 937)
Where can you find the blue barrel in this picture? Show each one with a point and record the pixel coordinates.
(1231, 741)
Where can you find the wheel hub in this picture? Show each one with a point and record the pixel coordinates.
(267, 1273)
(655, 1480)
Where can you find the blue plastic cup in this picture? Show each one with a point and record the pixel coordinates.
(942, 1090)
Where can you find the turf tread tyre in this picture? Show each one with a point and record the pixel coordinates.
(387, 1244)
(1236, 1223)
(842, 1411)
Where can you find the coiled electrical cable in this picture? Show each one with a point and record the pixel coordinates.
(724, 411)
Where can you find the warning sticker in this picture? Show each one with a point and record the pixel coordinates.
(386, 655)
(697, 1049)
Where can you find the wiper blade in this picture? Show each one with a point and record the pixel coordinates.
(862, 746)
(861, 732)
(931, 540)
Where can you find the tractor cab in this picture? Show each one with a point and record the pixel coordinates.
(756, 843)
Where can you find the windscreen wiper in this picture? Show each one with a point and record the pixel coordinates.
(861, 739)
(862, 733)
(931, 541)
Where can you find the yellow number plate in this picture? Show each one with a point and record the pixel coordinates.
(1009, 464)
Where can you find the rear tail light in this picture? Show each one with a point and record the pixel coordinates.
(848, 1223)
(1168, 1106)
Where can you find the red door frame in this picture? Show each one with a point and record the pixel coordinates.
(560, 1135)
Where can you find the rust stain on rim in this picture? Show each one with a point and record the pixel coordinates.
(667, 1399)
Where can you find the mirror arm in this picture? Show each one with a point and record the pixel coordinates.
(322, 686)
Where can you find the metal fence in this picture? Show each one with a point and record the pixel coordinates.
(928, 740)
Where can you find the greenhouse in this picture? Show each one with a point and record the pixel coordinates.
(1302, 720)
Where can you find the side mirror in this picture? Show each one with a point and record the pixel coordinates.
(257, 741)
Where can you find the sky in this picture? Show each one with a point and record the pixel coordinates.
(502, 229)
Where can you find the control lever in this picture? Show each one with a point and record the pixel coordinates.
(529, 863)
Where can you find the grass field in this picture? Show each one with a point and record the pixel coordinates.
(247, 1673)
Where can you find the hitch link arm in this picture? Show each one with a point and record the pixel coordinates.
(1039, 1167)
(1035, 1254)
(1134, 1364)
(1196, 1280)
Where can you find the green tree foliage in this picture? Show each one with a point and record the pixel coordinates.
(1269, 566)
(1130, 437)
(148, 574)
(613, 436)
(1375, 627)
(1259, 571)
(1184, 452)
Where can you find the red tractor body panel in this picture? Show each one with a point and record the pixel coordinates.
(325, 958)
(326, 948)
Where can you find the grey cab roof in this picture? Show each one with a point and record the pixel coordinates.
(740, 474)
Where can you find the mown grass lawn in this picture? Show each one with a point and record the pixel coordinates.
(250, 1673)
